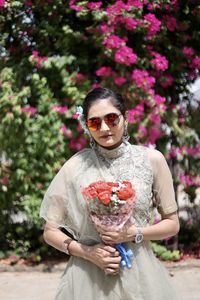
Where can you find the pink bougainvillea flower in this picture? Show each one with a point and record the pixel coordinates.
(126, 56)
(174, 5)
(170, 22)
(4, 180)
(159, 61)
(188, 180)
(104, 28)
(130, 23)
(159, 99)
(142, 79)
(153, 6)
(29, 3)
(79, 128)
(190, 150)
(113, 41)
(136, 114)
(2, 3)
(154, 133)
(153, 25)
(173, 152)
(35, 54)
(96, 85)
(75, 116)
(94, 5)
(104, 72)
(80, 77)
(30, 110)
(189, 221)
(116, 9)
(155, 119)
(188, 52)
(66, 131)
(135, 3)
(72, 5)
(60, 109)
(119, 80)
(181, 120)
(77, 144)
(166, 81)
(38, 59)
(142, 131)
(195, 63)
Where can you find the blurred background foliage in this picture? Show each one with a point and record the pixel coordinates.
(51, 54)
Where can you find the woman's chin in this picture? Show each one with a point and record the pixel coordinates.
(110, 143)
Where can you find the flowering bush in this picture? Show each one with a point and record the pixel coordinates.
(53, 52)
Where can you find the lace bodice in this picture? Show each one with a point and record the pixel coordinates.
(128, 162)
(64, 206)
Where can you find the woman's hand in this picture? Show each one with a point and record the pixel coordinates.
(105, 257)
(167, 227)
(125, 234)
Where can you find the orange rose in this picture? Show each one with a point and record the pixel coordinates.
(125, 193)
(103, 187)
(93, 193)
(113, 184)
(104, 197)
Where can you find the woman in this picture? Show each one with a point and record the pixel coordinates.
(93, 271)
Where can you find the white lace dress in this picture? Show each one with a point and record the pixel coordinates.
(64, 206)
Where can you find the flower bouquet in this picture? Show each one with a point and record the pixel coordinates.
(110, 205)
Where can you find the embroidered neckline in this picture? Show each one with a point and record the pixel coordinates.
(121, 150)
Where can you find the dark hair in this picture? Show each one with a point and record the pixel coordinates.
(103, 93)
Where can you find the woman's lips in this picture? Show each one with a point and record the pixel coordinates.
(105, 136)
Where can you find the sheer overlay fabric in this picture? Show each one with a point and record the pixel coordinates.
(64, 206)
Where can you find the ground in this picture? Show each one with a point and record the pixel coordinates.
(39, 283)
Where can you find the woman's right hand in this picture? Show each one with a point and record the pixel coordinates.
(105, 257)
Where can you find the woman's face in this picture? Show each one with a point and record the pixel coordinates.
(106, 136)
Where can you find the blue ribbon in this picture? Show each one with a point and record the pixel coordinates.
(126, 255)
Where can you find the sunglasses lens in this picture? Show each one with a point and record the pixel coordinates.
(112, 119)
(94, 124)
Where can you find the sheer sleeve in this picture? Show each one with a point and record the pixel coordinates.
(163, 189)
(61, 203)
(54, 205)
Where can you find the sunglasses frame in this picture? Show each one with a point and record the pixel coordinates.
(103, 119)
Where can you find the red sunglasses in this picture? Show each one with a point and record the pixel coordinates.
(111, 120)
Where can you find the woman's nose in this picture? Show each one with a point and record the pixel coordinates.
(104, 126)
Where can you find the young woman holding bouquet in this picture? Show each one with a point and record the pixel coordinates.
(93, 270)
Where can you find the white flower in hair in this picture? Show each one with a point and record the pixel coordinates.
(79, 112)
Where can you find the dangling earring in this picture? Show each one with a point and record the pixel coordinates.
(125, 137)
(92, 142)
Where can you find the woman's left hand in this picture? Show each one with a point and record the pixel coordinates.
(122, 235)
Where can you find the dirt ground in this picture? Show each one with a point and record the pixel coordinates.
(39, 283)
